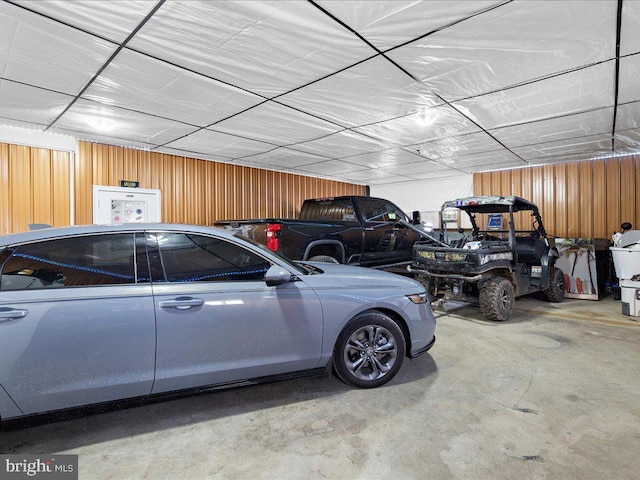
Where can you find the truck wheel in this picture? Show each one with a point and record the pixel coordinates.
(555, 291)
(323, 258)
(496, 299)
(370, 350)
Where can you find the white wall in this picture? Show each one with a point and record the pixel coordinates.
(37, 138)
(426, 196)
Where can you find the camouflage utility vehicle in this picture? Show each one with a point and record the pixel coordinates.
(495, 262)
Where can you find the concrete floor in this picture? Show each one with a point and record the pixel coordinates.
(554, 393)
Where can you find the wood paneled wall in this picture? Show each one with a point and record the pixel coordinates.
(35, 187)
(587, 199)
(198, 191)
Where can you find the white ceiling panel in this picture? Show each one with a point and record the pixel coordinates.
(629, 38)
(341, 144)
(113, 20)
(167, 91)
(84, 115)
(570, 148)
(61, 59)
(510, 45)
(271, 122)
(389, 23)
(218, 143)
(372, 91)
(280, 158)
(385, 158)
(29, 104)
(628, 83)
(431, 124)
(359, 91)
(553, 97)
(572, 126)
(266, 47)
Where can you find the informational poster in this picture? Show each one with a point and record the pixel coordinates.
(127, 211)
(578, 262)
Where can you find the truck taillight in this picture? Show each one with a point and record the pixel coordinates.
(272, 236)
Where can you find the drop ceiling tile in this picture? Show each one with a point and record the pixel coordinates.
(265, 47)
(29, 104)
(340, 144)
(114, 19)
(218, 143)
(451, 147)
(628, 116)
(569, 126)
(276, 124)
(41, 52)
(627, 142)
(331, 167)
(575, 92)
(192, 154)
(282, 157)
(517, 42)
(144, 84)
(390, 23)
(369, 92)
(104, 139)
(387, 158)
(629, 38)
(430, 124)
(584, 147)
(628, 85)
(468, 163)
(92, 118)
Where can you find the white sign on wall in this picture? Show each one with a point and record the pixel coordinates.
(118, 205)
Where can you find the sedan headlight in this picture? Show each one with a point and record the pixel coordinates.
(418, 297)
(490, 257)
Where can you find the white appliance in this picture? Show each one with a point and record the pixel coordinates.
(626, 259)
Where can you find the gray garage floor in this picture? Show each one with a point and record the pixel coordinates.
(554, 393)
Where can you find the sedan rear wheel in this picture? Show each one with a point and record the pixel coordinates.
(370, 350)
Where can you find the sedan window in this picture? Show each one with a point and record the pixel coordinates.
(71, 262)
(197, 258)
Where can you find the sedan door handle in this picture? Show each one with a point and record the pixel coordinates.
(182, 303)
(8, 314)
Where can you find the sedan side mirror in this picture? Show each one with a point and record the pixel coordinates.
(276, 275)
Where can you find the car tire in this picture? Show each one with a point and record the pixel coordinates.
(370, 350)
(555, 291)
(323, 258)
(496, 299)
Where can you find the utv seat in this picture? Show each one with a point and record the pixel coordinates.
(530, 250)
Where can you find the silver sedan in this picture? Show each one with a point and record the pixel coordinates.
(98, 314)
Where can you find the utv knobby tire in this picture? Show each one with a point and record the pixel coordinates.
(496, 299)
(555, 291)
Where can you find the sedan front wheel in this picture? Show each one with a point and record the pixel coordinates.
(370, 350)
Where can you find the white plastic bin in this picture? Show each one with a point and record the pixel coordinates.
(626, 261)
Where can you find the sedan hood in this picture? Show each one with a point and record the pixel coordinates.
(360, 276)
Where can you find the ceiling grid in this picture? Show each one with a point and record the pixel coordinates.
(368, 92)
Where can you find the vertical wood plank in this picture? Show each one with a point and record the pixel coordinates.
(20, 187)
(628, 188)
(573, 196)
(6, 207)
(61, 188)
(560, 200)
(41, 194)
(599, 199)
(585, 209)
(612, 204)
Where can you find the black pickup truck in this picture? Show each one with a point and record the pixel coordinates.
(354, 230)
